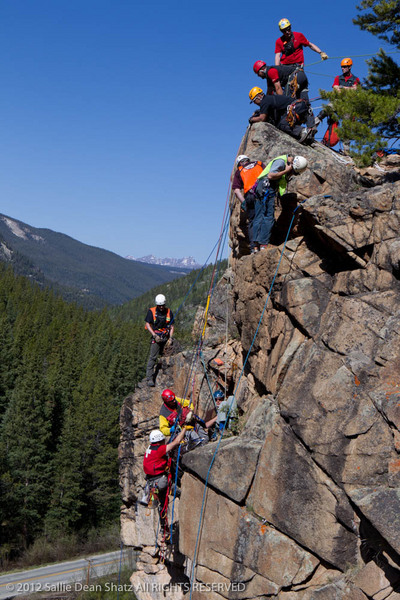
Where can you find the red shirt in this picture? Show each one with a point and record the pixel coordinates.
(155, 460)
(299, 41)
(346, 78)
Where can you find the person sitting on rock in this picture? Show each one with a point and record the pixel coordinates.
(284, 113)
(284, 80)
(272, 181)
(245, 177)
(178, 412)
(160, 323)
(226, 411)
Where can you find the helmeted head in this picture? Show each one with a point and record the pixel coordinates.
(160, 300)
(258, 65)
(156, 436)
(169, 398)
(284, 25)
(300, 164)
(218, 395)
(254, 93)
(241, 158)
(346, 62)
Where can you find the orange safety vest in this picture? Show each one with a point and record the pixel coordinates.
(249, 174)
(167, 318)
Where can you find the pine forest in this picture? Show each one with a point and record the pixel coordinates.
(64, 372)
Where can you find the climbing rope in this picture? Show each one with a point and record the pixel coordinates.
(234, 396)
(318, 62)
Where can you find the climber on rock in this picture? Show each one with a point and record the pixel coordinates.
(289, 47)
(245, 177)
(284, 80)
(176, 413)
(226, 411)
(272, 181)
(157, 467)
(285, 113)
(159, 322)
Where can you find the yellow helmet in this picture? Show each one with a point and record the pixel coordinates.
(284, 24)
(346, 62)
(254, 92)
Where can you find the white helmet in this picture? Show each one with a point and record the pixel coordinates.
(156, 436)
(160, 299)
(300, 164)
(240, 158)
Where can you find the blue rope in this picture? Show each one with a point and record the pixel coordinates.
(234, 395)
(176, 482)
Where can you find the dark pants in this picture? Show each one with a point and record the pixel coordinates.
(264, 216)
(250, 212)
(302, 83)
(156, 350)
(305, 117)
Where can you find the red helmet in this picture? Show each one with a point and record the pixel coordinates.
(259, 64)
(168, 397)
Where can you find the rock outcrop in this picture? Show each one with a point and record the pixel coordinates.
(304, 504)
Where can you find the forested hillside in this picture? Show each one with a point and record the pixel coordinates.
(64, 373)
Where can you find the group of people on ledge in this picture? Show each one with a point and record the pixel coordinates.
(256, 186)
(179, 423)
(285, 103)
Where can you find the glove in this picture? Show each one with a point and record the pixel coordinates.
(189, 417)
(324, 56)
(157, 339)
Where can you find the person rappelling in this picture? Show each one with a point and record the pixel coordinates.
(157, 469)
(160, 323)
(176, 413)
(289, 47)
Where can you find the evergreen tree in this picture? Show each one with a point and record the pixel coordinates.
(370, 116)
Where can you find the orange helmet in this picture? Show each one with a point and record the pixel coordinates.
(346, 62)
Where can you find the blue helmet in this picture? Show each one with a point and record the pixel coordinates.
(218, 395)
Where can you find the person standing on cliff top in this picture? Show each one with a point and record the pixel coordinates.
(245, 177)
(289, 47)
(160, 323)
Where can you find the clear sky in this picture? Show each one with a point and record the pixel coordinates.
(120, 120)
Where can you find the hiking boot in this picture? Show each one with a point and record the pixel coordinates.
(264, 247)
(303, 135)
(254, 250)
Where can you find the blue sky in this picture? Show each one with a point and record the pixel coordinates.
(120, 120)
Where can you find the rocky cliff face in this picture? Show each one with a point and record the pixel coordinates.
(304, 504)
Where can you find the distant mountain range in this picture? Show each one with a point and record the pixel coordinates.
(88, 275)
(188, 262)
